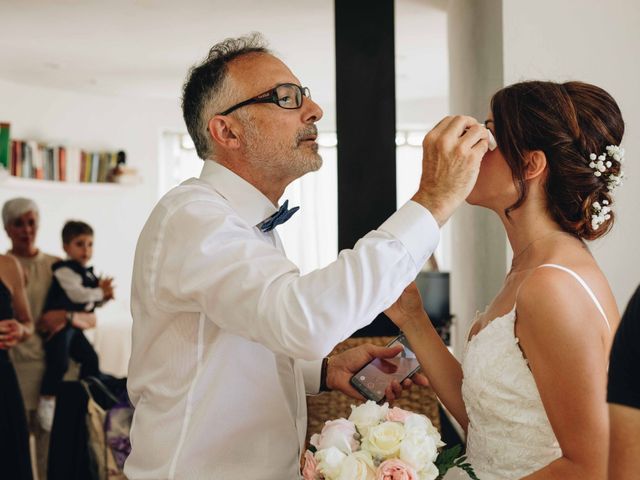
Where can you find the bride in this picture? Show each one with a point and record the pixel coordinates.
(531, 390)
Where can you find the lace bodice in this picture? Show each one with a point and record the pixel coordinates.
(509, 435)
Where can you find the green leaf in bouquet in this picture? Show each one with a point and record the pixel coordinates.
(446, 459)
(453, 457)
(461, 463)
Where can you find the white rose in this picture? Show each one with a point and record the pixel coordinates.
(358, 466)
(338, 433)
(418, 450)
(367, 415)
(383, 441)
(435, 435)
(429, 473)
(330, 462)
(417, 424)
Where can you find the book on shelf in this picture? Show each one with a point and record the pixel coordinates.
(15, 168)
(62, 164)
(5, 145)
(30, 159)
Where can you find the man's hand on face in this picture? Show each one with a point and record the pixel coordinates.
(451, 156)
(343, 366)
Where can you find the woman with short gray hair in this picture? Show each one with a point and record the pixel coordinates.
(21, 219)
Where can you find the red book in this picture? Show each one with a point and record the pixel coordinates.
(14, 157)
(83, 165)
(62, 164)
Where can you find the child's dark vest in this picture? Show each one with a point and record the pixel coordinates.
(57, 298)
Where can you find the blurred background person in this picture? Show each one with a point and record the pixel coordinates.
(16, 326)
(624, 395)
(21, 220)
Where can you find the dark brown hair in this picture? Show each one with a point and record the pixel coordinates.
(567, 122)
(73, 229)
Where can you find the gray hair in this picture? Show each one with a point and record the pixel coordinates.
(207, 89)
(16, 207)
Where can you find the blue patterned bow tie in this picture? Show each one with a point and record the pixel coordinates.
(281, 216)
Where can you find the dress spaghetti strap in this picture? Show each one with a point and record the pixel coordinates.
(584, 285)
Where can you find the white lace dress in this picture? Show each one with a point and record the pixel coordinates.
(509, 435)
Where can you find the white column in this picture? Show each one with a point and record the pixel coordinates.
(478, 240)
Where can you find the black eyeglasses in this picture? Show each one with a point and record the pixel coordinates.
(285, 95)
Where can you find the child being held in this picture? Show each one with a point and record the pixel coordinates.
(74, 288)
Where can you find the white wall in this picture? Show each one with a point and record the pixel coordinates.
(117, 213)
(596, 42)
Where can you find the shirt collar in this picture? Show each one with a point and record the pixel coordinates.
(249, 202)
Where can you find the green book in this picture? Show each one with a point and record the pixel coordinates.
(5, 145)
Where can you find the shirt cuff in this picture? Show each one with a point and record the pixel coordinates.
(416, 228)
(311, 375)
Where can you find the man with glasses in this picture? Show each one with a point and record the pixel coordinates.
(228, 336)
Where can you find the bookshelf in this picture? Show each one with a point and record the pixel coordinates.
(11, 182)
(33, 161)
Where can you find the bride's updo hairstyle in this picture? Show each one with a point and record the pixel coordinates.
(568, 122)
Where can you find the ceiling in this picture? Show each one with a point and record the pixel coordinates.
(143, 48)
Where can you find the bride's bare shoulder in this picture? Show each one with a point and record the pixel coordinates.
(559, 292)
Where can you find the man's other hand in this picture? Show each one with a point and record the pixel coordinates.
(342, 366)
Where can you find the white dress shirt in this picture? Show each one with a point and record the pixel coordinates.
(227, 335)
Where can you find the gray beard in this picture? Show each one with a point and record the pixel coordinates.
(278, 161)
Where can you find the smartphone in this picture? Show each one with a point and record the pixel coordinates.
(372, 380)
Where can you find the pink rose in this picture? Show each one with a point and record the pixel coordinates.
(394, 469)
(338, 433)
(310, 469)
(397, 415)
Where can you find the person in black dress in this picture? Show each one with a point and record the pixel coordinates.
(15, 327)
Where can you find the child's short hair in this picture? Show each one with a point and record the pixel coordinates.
(73, 229)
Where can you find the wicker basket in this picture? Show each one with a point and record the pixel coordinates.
(332, 405)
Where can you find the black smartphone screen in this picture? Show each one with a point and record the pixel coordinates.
(373, 378)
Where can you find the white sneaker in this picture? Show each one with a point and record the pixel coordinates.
(46, 409)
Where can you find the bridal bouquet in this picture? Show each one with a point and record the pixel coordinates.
(380, 443)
